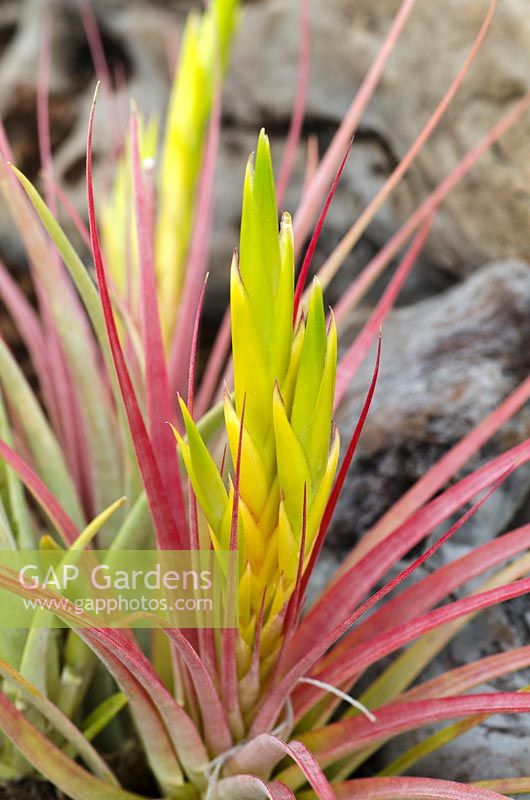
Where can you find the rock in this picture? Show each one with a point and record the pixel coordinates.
(486, 218)
(448, 360)
(499, 747)
(446, 363)
(137, 45)
(488, 215)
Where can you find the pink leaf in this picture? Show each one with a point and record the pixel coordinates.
(476, 673)
(308, 694)
(359, 658)
(343, 472)
(299, 105)
(334, 262)
(216, 729)
(357, 352)
(306, 264)
(341, 738)
(159, 406)
(262, 754)
(322, 179)
(440, 584)
(411, 788)
(249, 787)
(440, 473)
(29, 329)
(168, 535)
(349, 589)
(41, 493)
(426, 209)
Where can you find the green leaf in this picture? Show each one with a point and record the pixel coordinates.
(45, 449)
(320, 425)
(103, 715)
(259, 245)
(255, 478)
(19, 517)
(78, 272)
(75, 335)
(57, 767)
(252, 377)
(136, 528)
(293, 469)
(310, 368)
(34, 698)
(206, 480)
(282, 332)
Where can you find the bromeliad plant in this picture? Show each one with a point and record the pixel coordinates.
(265, 709)
(75, 433)
(280, 417)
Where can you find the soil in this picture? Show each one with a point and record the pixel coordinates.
(129, 767)
(30, 790)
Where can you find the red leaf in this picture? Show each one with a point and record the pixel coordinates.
(357, 352)
(348, 590)
(168, 535)
(341, 477)
(440, 584)
(304, 271)
(319, 185)
(410, 788)
(341, 738)
(299, 105)
(159, 406)
(41, 493)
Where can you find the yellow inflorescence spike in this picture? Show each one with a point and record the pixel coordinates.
(285, 378)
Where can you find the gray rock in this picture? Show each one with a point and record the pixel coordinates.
(487, 217)
(136, 43)
(446, 363)
(498, 747)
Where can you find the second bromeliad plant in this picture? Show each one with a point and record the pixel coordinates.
(254, 712)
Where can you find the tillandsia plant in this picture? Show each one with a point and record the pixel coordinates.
(267, 708)
(284, 380)
(74, 434)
